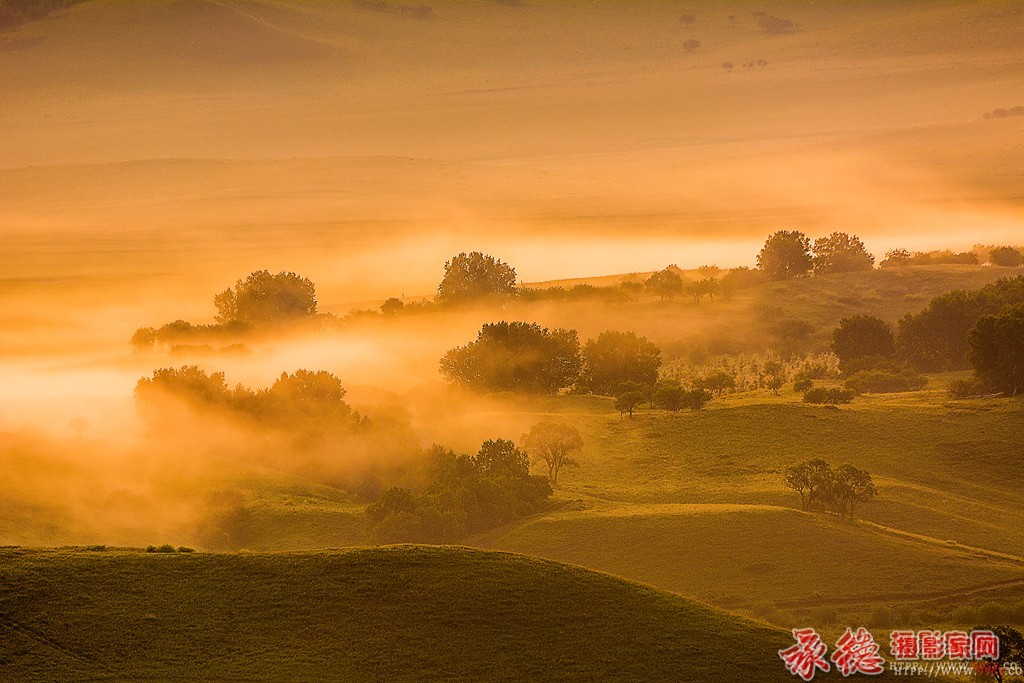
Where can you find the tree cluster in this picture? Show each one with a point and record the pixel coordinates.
(466, 495)
(937, 338)
(789, 254)
(475, 276)
(516, 356)
(900, 258)
(821, 487)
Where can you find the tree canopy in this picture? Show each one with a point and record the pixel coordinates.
(997, 351)
(618, 357)
(474, 276)
(1006, 256)
(785, 255)
(861, 336)
(265, 298)
(516, 356)
(552, 442)
(840, 253)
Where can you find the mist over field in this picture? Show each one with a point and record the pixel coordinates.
(606, 166)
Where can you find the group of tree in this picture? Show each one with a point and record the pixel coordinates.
(519, 356)
(669, 283)
(937, 339)
(302, 399)
(263, 299)
(868, 358)
(900, 258)
(789, 254)
(301, 423)
(821, 487)
(465, 495)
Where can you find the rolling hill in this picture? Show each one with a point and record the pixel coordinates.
(391, 613)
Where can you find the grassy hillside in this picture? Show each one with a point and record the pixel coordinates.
(395, 613)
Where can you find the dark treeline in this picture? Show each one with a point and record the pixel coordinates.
(961, 329)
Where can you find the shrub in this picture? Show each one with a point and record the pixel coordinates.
(885, 381)
(965, 388)
(165, 548)
(802, 385)
(828, 396)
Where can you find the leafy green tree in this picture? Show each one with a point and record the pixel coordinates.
(665, 283)
(840, 253)
(669, 394)
(627, 401)
(717, 382)
(862, 336)
(997, 351)
(516, 356)
(305, 395)
(696, 399)
(786, 255)
(501, 458)
(475, 276)
(1007, 257)
(617, 357)
(936, 339)
(553, 442)
(266, 298)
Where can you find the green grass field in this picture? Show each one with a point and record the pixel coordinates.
(391, 613)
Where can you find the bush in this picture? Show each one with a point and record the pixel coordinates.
(885, 381)
(802, 385)
(828, 396)
(165, 548)
(965, 388)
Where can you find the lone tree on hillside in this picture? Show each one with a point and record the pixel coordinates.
(552, 442)
(516, 356)
(1007, 257)
(617, 357)
(785, 255)
(265, 298)
(997, 351)
(862, 336)
(840, 253)
(475, 276)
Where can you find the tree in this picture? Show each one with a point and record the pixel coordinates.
(627, 401)
(696, 399)
(669, 395)
(840, 253)
(849, 487)
(687, 20)
(264, 298)
(896, 258)
(304, 395)
(665, 283)
(727, 66)
(501, 458)
(709, 272)
(392, 306)
(691, 45)
(861, 336)
(516, 356)
(1007, 257)
(552, 442)
(474, 276)
(997, 351)
(617, 357)
(144, 339)
(785, 255)
(717, 382)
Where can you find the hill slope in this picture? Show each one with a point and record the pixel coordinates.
(396, 613)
